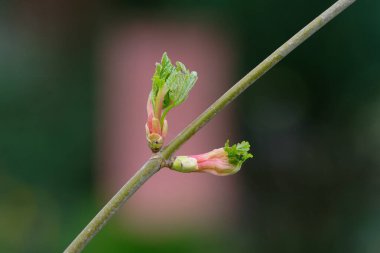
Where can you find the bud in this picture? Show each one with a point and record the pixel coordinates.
(221, 162)
(170, 88)
(155, 134)
(185, 164)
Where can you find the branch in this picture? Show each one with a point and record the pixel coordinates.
(255, 74)
(155, 163)
(96, 224)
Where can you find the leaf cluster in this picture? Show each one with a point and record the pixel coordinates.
(237, 153)
(171, 84)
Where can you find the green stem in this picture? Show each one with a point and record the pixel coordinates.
(96, 224)
(255, 74)
(165, 112)
(156, 162)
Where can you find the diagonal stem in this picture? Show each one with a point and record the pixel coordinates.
(154, 164)
(256, 73)
(96, 224)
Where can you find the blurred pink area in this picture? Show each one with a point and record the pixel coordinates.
(169, 201)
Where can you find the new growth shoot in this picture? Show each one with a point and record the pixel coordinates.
(221, 162)
(170, 88)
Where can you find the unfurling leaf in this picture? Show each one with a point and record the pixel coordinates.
(170, 87)
(237, 153)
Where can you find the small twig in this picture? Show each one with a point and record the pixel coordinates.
(148, 169)
(256, 73)
(156, 162)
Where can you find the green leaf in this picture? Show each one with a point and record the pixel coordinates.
(163, 71)
(237, 153)
(174, 82)
(180, 82)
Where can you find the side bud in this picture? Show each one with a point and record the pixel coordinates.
(220, 162)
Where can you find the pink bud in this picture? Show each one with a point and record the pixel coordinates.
(155, 134)
(216, 162)
(220, 162)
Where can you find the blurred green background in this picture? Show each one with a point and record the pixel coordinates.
(314, 120)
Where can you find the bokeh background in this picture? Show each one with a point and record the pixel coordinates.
(74, 78)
